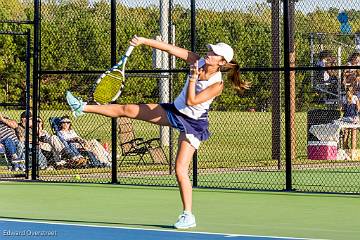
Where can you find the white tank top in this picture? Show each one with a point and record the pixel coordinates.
(198, 110)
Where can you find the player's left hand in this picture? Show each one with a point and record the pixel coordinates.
(194, 70)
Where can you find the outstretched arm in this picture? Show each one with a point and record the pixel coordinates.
(210, 92)
(188, 56)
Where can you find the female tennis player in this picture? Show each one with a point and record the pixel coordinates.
(188, 113)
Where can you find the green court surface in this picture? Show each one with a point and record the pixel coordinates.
(319, 216)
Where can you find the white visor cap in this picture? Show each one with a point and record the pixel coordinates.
(222, 49)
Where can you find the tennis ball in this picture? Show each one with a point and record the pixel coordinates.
(77, 177)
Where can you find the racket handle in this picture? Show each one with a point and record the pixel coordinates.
(129, 50)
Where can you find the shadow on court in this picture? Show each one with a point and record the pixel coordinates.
(90, 222)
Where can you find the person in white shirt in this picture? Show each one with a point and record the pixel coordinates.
(188, 113)
(98, 155)
(350, 107)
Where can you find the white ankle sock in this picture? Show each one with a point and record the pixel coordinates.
(187, 212)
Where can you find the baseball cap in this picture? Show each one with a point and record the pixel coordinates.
(222, 49)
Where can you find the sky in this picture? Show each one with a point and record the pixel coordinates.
(302, 5)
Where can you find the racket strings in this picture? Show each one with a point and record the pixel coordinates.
(110, 84)
(109, 87)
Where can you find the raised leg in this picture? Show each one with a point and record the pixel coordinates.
(153, 113)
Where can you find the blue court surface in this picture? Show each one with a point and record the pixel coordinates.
(21, 230)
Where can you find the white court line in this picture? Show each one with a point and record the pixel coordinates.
(229, 235)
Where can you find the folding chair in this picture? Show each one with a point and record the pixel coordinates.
(131, 146)
(55, 124)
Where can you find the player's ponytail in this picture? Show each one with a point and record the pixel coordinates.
(233, 75)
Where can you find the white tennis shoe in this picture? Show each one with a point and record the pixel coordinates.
(186, 220)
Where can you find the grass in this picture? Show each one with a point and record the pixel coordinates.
(239, 154)
(236, 136)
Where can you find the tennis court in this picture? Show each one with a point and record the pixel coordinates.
(89, 211)
(260, 139)
(77, 231)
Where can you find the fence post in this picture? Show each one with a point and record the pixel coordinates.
(288, 142)
(193, 49)
(276, 99)
(36, 74)
(27, 99)
(113, 120)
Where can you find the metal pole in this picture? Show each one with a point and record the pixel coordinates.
(312, 58)
(113, 120)
(35, 87)
(195, 170)
(276, 88)
(193, 49)
(172, 64)
(19, 22)
(27, 101)
(193, 26)
(339, 53)
(164, 81)
(288, 142)
(292, 77)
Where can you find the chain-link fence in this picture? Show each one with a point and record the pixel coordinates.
(291, 130)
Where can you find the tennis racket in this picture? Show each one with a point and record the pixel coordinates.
(109, 85)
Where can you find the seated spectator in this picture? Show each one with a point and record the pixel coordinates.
(62, 153)
(98, 155)
(354, 60)
(351, 107)
(20, 132)
(10, 141)
(51, 145)
(326, 59)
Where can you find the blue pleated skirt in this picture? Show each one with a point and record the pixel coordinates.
(196, 130)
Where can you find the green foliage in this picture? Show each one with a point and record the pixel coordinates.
(76, 35)
(12, 54)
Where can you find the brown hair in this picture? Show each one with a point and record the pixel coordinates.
(325, 54)
(238, 84)
(349, 94)
(23, 114)
(40, 121)
(354, 56)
